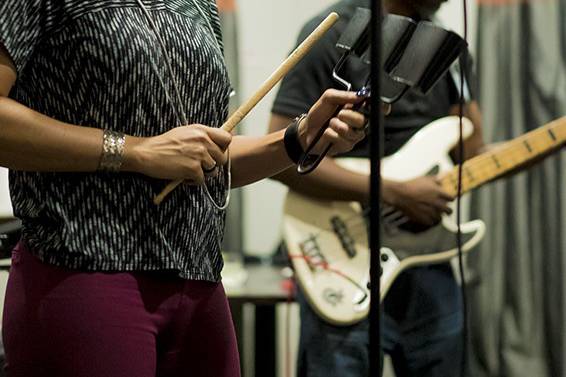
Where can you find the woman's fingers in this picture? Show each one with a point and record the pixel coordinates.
(208, 164)
(327, 104)
(220, 137)
(341, 135)
(354, 119)
(216, 142)
(187, 153)
(334, 97)
(345, 132)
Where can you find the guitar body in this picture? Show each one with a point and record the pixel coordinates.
(328, 243)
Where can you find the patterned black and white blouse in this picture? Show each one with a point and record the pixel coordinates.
(99, 64)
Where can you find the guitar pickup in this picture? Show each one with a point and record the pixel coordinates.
(346, 240)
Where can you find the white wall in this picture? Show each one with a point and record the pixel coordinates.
(5, 205)
(451, 16)
(267, 32)
(5, 212)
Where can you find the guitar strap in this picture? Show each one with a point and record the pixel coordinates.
(455, 69)
(455, 75)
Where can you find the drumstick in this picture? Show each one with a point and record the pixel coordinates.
(275, 77)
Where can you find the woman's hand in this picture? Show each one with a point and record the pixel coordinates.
(187, 153)
(344, 131)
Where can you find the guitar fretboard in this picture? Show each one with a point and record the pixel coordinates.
(504, 158)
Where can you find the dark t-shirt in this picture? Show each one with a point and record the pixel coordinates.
(421, 293)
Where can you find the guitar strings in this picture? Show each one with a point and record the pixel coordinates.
(347, 221)
(480, 164)
(509, 149)
(483, 163)
(357, 224)
(393, 216)
(517, 143)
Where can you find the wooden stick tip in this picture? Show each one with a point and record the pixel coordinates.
(334, 15)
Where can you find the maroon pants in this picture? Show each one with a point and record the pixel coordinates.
(65, 323)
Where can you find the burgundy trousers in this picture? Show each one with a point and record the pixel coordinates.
(66, 323)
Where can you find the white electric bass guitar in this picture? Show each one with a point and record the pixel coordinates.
(327, 240)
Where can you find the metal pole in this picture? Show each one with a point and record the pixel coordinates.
(376, 151)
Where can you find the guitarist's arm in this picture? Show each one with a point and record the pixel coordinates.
(421, 199)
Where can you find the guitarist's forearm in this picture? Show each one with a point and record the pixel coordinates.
(328, 182)
(332, 182)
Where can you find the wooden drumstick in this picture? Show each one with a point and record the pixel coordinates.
(275, 77)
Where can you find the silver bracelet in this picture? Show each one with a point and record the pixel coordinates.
(112, 151)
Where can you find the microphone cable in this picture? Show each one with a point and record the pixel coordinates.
(461, 155)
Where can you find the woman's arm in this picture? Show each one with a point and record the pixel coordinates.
(31, 141)
(254, 158)
(328, 182)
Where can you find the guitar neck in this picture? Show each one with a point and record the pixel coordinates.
(510, 155)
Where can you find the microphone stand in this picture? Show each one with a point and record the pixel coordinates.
(376, 151)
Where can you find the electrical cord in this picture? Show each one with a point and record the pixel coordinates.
(178, 110)
(288, 333)
(465, 330)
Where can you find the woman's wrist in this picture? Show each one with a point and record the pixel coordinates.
(133, 156)
(293, 139)
(302, 130)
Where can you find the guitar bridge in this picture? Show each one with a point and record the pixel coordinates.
(341, 230)
(311, 250)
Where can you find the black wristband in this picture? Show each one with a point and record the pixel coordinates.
(292, 144)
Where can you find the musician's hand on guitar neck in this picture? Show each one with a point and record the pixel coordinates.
(345, 130)
(421, 199)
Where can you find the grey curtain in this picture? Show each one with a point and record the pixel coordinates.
(518, 309)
